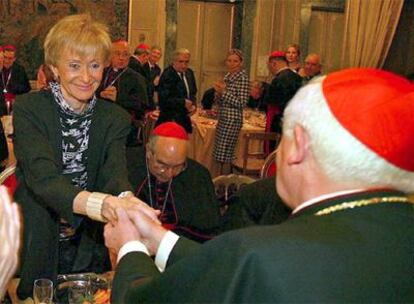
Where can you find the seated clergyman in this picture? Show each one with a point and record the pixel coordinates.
(344, 165)
(179, 187)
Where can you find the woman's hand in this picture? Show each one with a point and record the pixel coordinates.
(109, 93)
(220, 87)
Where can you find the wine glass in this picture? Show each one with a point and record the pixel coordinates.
(43, 291)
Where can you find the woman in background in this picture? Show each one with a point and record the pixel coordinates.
(233, 94)
(293, 57)
(66, 152)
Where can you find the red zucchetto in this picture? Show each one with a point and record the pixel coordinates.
(9, 47)
(383, 120)
(170, 129)
(277, 54)
(143, 46)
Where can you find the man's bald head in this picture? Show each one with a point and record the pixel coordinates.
(313, 65)
(166, 157)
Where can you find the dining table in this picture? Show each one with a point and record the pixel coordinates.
(201, 141)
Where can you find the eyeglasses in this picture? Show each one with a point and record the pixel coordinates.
(163, 167)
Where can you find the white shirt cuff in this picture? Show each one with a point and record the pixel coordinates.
(131, 247)
(166, 246)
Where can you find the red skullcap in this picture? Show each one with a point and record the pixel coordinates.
(275, 54)
(143, 46)
(377, 108)
(170, 129)
(9, 47)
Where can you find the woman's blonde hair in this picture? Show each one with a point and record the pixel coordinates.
(81, 35)
(295, 46)
(236, 52)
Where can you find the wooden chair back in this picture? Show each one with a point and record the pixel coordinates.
(252, 161)
(226, 185)
(269, 166)
(8, 178)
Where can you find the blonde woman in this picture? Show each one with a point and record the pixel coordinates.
(293, 57)
(233, 94)
(70, 150)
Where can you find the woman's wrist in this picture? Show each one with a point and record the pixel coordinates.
(95, 205)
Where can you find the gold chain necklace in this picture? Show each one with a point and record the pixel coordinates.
(363, 202)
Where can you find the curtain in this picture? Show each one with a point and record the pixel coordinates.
(369, 28)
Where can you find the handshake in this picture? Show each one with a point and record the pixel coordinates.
(134, 224)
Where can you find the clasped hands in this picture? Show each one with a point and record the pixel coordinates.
(134, 223)
(110, 93)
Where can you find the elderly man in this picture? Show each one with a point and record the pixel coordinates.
(179, 187)
(177, 91)
(351, 235)
(14, 79)
(313, 67)
(124, 86)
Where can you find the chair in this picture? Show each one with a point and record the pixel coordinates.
(8, 178)
(227, 185)
(252, 161)
(269, 166)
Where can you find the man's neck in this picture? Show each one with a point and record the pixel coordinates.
(322, 197)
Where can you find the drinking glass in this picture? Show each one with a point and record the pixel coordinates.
(43, 291)
(78, 292)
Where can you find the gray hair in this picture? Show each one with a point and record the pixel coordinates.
(180, 51)
(340, 155)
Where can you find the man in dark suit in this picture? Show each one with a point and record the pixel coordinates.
(177, 91)
(139, 59)
(153, 70)
(124, 87)
(350, 235)
(14, 80)
(283, 87)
